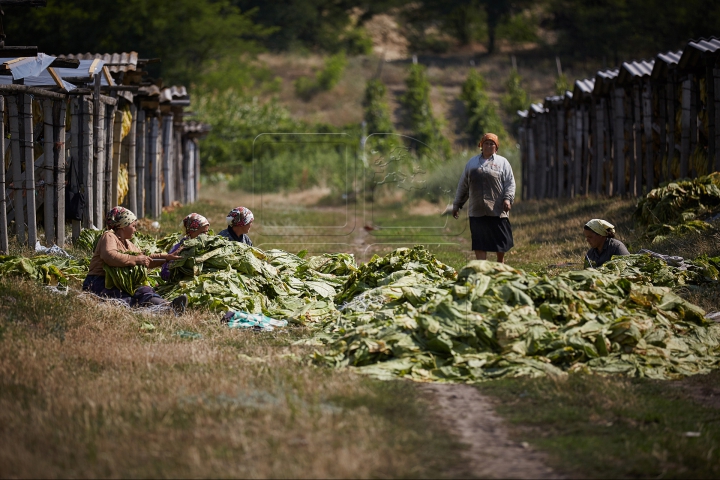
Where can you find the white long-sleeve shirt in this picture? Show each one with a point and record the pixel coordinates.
(486, 183)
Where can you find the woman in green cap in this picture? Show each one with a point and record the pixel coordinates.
(600, 235)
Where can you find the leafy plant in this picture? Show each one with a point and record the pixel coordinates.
(481, 113)
(325, 79)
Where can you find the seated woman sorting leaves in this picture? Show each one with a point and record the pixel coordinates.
(195, 224)
(600, 235)
(239, 221)
(115, 249)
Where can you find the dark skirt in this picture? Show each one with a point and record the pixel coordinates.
(143, 296)
(491, 234)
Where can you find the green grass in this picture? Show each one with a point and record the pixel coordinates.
(609, 427)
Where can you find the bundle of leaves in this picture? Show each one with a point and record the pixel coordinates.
(48, 269)
(495, 321)
(644, 269)
(220, 275)
(680, 207)
(127, 279)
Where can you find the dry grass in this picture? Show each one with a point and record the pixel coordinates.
(92, 390)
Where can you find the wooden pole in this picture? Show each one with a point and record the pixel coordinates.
(586, 151)
(154, 168)
(578, 153)
(140, 160)
(662, 124)
(694, 101)
(716, 101)
(671, 91)
(532, 173)
(543, 156)
(88, 179)
(117, 146)
(196, 164)
(685, 125)
(647, 130)
(49, 205)
(149, 163)
(99, 159)
(180, 183)
(560, 153)
(619, 146)
(59, 157)
(636, 179)
(109, 139)
(75, 150)
(132, 152)
(167, 173)
(16, 168)
(3, 200)
(29, 155)
(522, 135)
(599, 143)
(710, 106)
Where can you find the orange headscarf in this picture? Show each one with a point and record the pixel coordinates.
(490, 136)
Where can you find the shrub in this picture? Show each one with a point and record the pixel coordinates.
(416, 102)
(325, 79)
(481, 113)
(562, 84)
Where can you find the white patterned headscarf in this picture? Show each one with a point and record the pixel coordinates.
(239, 216)
(601, 227)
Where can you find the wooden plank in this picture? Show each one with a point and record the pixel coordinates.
(99, 160)
(577, 154)
(586, 151)
(59, 157)
(86, 153)
(132, 164)
(94, 66)
(49, 203)
(619, 144)
(648, 156)
(16, 166)
(710, 106)
(29, 155)
(661, 92)
(35, 91)
(636, 176)
(608, 143)
(117, 146)
(694, 102)
(542, 156)
(531, 157)
(560, 153)
(167, 173)
(599, 144)
(716, 73)
(56, 78)
(180, 183)
(154, 167)
(196, 162)
(670, 89)
(140, 161)
(109, 138)
(3, 200)
(685, 125)
(75, 162)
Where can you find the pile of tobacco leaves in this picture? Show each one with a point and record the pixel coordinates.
(496, 321)
(680, 207)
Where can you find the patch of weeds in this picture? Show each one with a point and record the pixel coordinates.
(610, 427)
(34, 307)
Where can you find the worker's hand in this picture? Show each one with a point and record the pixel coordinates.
(456, 212)
(507, 205)
(143, 260)
(171, 256)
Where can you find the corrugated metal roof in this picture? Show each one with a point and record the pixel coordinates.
(116, 62)
(604, 79)
(583, 87)
(693, 55)
(522, 113)
(173, 93)
(663, 62)
(554, 100)
(633, 71)
(193, 126)
(537, 108)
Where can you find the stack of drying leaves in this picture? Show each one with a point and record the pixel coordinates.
(680, 207)
(495, 321)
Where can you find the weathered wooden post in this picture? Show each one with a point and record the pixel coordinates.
(619, 147)
(116, 148)
(132, 174)
(599, 142)
(685, 124)
(59, 160)
(662, 119)
(155, 206)
(87, 148)
(587, 150)
(636, 179)
(140, 159)
(3, 201)
(196, 163)
(49, 157)
(694, 101)
(75, 161)
(532, 173)
(647, 130)
(716, 102)
(15, 150)
(167, 173)
(29, 155)
(577, 154)
(560, 149)
(180, 183)
(542, 157)
(99, 163)
(670, 89)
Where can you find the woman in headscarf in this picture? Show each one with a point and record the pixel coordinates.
(239, 221)
(195, 224)
(600, 235)
(489, 184)
(111, 250)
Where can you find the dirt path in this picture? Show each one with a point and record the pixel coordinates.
(491, 453)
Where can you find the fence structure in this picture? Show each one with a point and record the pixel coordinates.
(99, 134)
(628, 129)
